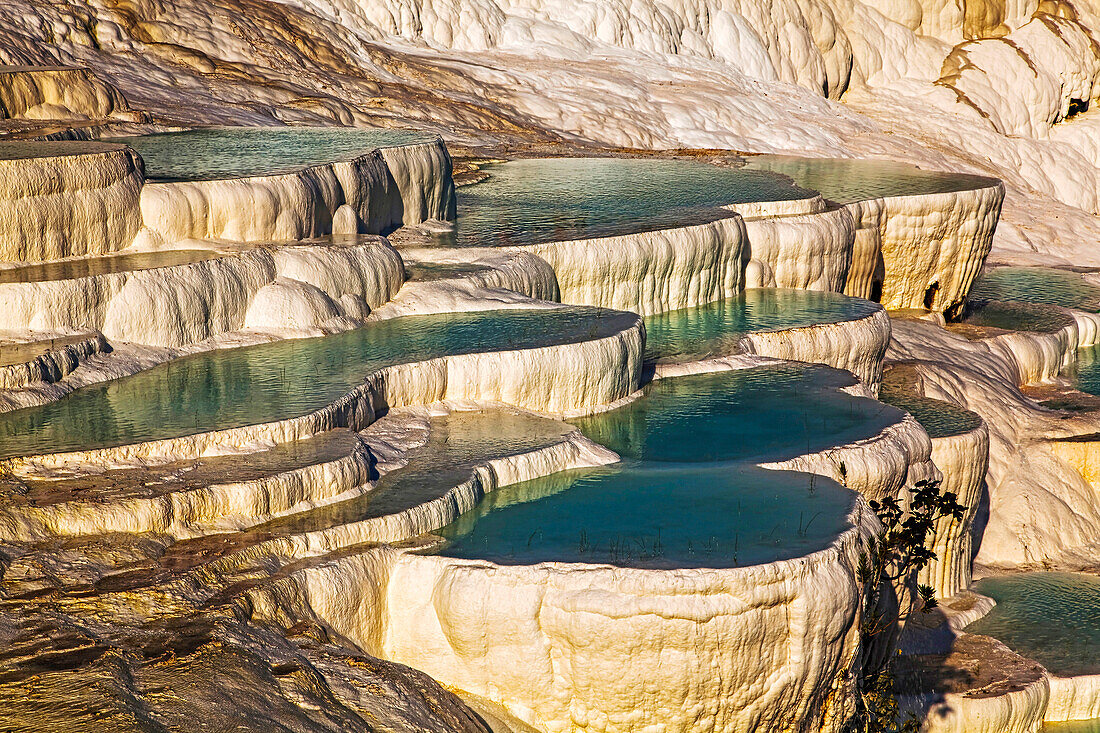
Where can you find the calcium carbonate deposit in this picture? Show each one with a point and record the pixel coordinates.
(494, 366)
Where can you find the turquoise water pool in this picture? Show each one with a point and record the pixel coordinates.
(1051, 617)
(1042, 285)
(1086, 373)
(715, 328)
(845, 181)
(1008, 316)
(939, 419)
(274, 381)
(543, 200)
(686, 493)
(763, 414)
(232, 152)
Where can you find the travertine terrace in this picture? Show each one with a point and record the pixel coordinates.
(492, 366)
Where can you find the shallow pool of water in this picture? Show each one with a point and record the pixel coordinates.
(686, 493)
(1042, 285)
(275, 381)
(939, 419)
(715, 328)
(763, 414)
(845, 181)
(232, 152)
(92, 266)
(1051, 617)
(543, 200)
(1015, 316)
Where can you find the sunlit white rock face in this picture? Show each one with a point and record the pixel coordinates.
(57, 93)
(650, 272)
(384, 189)
(289, 288)
(68, 202)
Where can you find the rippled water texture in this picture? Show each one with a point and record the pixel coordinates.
(685, 494)
(1042, 285)
(715, 328)
(232, 152)
(275, 381)
(533, 201)
(1016, 316)
(1053, 618)
(845, 181)
(939, 419)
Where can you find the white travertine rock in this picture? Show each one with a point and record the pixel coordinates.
(561, 379)
(930, 247)
(1073, 698)
(345, 222)
(69, 201)
(962, 461)
(300, 205)
(288, 303)
(805, 251)
(184, 304)
(650, 272)
(56, 93)
(857, 345)
(53, 364)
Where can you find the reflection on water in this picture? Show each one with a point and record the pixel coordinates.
(715, 328)
(91, 266)
(1054, 618)
(1042, 285)
(533, 201)
(278, 380)
(846, 180)
(686, 494)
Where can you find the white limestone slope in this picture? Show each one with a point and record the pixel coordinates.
(385, 188)
(57, 93)
(289, 287)
(66, 200)
(650, 272)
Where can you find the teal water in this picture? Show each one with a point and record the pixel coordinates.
(763, 414)
(1042, 285)
(232, 152)
(846, 180)
(275, 381)
(543, 200)
(685, 494)
(939, 419)
(1051, 617)
(1086, 373)
(1015, 316)
(714, 329)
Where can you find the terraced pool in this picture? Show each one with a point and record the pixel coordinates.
(848, 180)
(1052, 617)
(715, 328)
(1042, 285)
(687, 493)
(275, 381)
(551, 199)
(233, 152)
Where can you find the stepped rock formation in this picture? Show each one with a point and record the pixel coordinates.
(241, 416)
